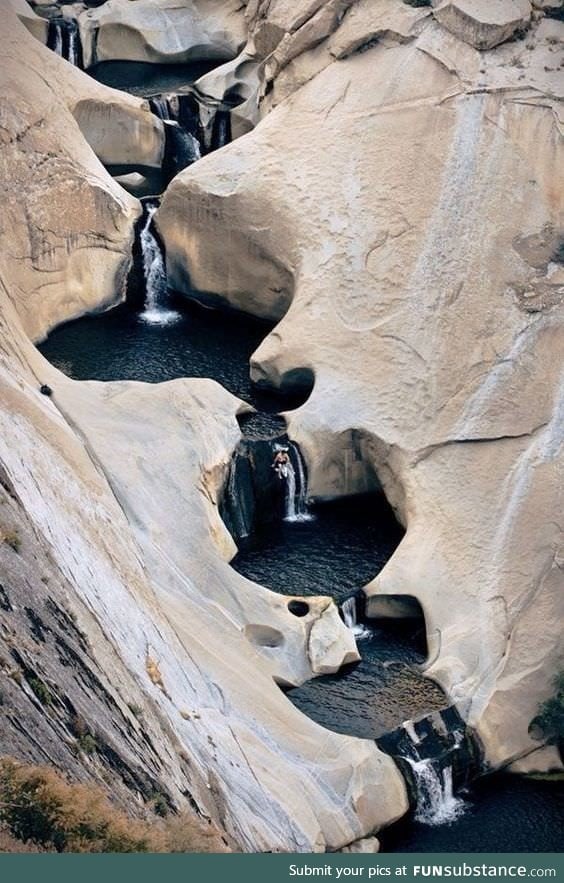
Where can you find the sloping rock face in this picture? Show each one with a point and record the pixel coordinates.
(165, 31)
(407, 200)
(121, 619)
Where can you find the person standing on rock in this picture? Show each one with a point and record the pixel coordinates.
(281, 462)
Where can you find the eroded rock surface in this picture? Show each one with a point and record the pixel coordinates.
(164, 31)
(393, 196)
(110, 530)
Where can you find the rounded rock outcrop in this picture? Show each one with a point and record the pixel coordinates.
(162, 31)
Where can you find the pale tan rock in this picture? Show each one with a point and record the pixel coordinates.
(208, 692)
(385, 202)
(365, 23)
(134, 183)
(540, 762)
(34, 23)
(120, 127)
(163, 31)
(366, 846)
(385, 198)
(483, 23)
(118, 134)
(238, 79)
(114, 417)
(326, 645)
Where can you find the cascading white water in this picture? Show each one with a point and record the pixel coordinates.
(154, 272)
(161, 107)
(183, 148)
(58, 40)
(349, 611)
(73, 45)
(436, 801)
(296, 489)
(64, 40)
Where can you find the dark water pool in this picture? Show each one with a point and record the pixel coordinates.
(377, 694)
(345, 544)
(145, 79)
(120, 345)
(503, 813)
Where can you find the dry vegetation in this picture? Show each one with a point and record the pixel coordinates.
(41, 812)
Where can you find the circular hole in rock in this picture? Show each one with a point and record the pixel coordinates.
(298, 608)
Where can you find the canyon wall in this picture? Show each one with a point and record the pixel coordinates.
(402, 196)
(121, 619)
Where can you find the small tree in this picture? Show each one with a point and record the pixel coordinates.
(550, 719)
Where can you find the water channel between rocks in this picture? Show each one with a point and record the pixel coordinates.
(301, 548)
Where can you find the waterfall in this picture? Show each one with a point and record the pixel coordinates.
(350, 618)
(154, 274)
(64, 39)
(221, 129)
(436, 802)
(56, 37)
(181, 148)
(439, 756)
(293, 473)
(160, 106)
(73, 43)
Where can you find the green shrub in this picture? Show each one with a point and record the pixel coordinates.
(550, 719)
(41, 690)
(160, 805)
(87, 743)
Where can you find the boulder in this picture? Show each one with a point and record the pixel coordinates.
(328, 651)
(365, 24)
(484, 23)
(119, 127)
(134, 183)
(163, 31)
(119, 133)
(366, 846)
